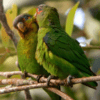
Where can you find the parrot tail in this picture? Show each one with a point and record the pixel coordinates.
(92, 84)
(93, 73)
(86, 84)
(53, 95)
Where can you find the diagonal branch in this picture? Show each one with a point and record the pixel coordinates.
(60, 93)
(4, 23)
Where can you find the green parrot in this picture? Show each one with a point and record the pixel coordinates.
(56, 51)
(27, 29)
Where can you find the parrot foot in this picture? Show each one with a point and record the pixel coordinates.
(49, 78)
(69, 80)
(25, 75)
(38, 78)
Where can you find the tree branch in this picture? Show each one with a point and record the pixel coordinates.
(54, 82)
(9, 74)
(90, 47)
(16, 81)
(33, 84)
(20, 88)
(20, 82)
(24, 82)
(30, 84)
(60, 93)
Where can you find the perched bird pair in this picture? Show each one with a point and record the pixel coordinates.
(49, 50)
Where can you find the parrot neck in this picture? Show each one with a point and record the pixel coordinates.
(33, 28)
(23, 35)
(49, 21)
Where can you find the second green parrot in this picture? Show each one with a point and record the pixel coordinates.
(56, 51)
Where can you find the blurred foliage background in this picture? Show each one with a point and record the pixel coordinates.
(86, 28)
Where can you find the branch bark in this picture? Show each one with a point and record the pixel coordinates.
(25, 82)
(25, 87)
(16, 81)
(62, 94)
(54, 81)
(20, 88)
(30, 84)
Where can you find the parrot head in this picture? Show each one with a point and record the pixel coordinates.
(47, 16)
(25, 23)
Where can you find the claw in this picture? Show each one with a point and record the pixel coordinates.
(25, 75)
(38, 78)
(49, 78)
(69, 80)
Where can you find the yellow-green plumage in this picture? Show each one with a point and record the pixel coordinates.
(26, 55)
(26, 48)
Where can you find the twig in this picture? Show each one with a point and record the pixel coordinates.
(16, 81)
(20, 88)
(55, 82)
(27, 95)
(85, 79)
(91, 4)
(9, 74)
(90, 47)
(62, 94)
(20, 82)
(36, 85)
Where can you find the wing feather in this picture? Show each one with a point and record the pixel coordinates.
(67, 48)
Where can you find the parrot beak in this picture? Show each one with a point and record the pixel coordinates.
(37, 12)
(21, 26)
(35, 15)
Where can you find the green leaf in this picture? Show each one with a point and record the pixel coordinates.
(70, 20)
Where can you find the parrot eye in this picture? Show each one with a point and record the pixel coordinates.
(26, 17)
(39, 10)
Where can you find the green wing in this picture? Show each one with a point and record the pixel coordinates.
(60, 44)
